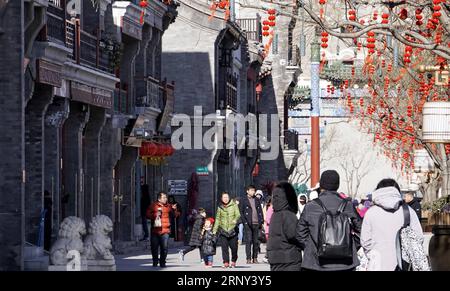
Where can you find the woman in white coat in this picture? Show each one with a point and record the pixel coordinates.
(380, 226)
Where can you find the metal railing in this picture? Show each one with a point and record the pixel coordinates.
(121, 102)
(86, 48)
(155, 91)
(252, 28)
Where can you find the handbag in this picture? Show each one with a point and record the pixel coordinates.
(157, 222)
(409, 247)
(228, 234)
(262, 235)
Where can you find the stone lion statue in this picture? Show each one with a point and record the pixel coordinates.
(70, 233)
(97, 245)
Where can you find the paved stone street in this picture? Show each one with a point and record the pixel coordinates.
(142, 261)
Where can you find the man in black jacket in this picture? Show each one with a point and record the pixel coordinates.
(414, 203)
(252, 218)
(308, 225)
(283, 250)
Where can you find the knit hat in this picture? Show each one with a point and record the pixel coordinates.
(329, 180)
(259, 192)
(211, 220)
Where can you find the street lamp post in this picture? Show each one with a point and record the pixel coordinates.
(315, 112)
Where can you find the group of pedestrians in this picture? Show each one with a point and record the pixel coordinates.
(322, 232)
(328, 232)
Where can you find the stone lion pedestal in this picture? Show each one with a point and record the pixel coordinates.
(97, 245)
(101, 265)
(67, 253)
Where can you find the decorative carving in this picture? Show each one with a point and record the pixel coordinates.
(69, 239)
(97, 245)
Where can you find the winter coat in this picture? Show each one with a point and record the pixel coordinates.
(308, 231)
(267, 220)
(380, 226)
(300, 206)
(195, 239)
(415, 205)
(246, 211)
(209, 241)
(145, 203)
(227, 217)
(282, 246)
(152, 213)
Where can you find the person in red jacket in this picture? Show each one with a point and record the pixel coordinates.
(159, 214)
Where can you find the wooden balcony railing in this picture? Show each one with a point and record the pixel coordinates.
(87, 48)
(121, 101)
(252, 28)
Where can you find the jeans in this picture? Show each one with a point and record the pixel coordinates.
(232, 243)
(251, 239)
(191, 248)
(145, 226)
(161, 243)
(208, 259)
(241, 232)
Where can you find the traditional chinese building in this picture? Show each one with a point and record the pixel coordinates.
(82, 91)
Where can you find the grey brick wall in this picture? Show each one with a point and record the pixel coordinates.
(12, 138)
(56, 114)
(124, 173)
(109, 154)
(73, 158)
(91, 157)
(34, 159)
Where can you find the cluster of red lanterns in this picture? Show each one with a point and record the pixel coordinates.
(385, 18)
(375, 15)
(153, 149)
(437, 9)
(371, 42)
(330, 89)
(409, 111)
(447, 148)
(403, 14)
(269, 22)
(324, 40)
(434, 20)
(223, 4)
(352, 15)
(143, 4)
(408, 54)
(350, 104)
(419, 17)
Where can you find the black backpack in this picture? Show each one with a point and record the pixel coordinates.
(335, 235)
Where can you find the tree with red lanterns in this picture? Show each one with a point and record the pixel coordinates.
(407, 49)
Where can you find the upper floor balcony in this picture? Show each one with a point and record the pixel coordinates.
(252, 28)
(88, 48)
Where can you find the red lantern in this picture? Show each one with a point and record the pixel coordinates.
(159, 150)
(271, 17)
(322, 2)
(272, 23)
(143, 3)
(265, 22)
(265, 33)
(266, 27)
(403, 14)
(271, 11)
